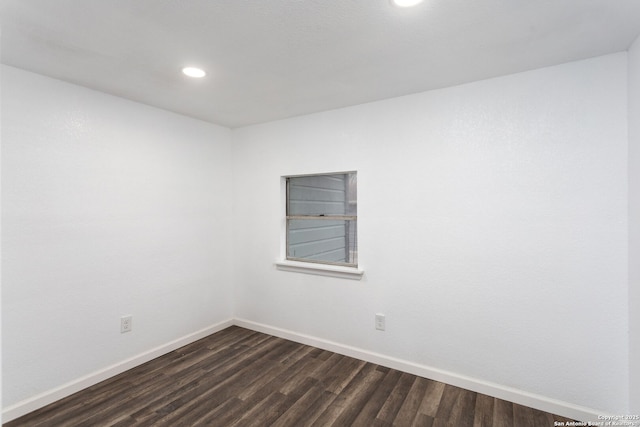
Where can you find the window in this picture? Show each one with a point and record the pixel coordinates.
(322, 219)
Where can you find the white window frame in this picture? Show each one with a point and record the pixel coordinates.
(347, 271)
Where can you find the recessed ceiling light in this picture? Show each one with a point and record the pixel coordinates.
(194, 72)
(405, 3)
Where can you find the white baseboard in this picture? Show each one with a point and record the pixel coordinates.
(479, 386)
(495, 390)
(28, 405)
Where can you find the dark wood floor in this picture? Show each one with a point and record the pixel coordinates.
(238, 377)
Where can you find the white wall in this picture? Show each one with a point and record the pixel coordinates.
(634, 226)
(492, 229)
(109, 208)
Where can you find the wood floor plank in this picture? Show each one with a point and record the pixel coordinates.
(502, 413)
(182, 373)
(203, 411)
(352, 397)
(377, 400)
(456, 408)
(409, 409)
(462, 414)
(337, 378)
(264, 412)
(223, 414)
(483, 413)
(239, 377)
(273, 412)
(200, 382)
(358, 394)
(268, 381)
(396, 398)
(294, 414)
(530, 417)
(422, 420)
(447, 402)
(442, 422)
(432, 398)
(542, 418)
(215, 391)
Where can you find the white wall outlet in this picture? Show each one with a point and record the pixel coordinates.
(380, 322)
(126, 324)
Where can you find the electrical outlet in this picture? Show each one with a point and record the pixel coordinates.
(126, 324)
(380, 322)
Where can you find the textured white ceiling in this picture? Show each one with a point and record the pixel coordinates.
(272, 59)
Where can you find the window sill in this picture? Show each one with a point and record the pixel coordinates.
(320, 269)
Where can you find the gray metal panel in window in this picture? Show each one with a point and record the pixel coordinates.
(321, 218)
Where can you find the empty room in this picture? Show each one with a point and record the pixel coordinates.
(320, 212)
